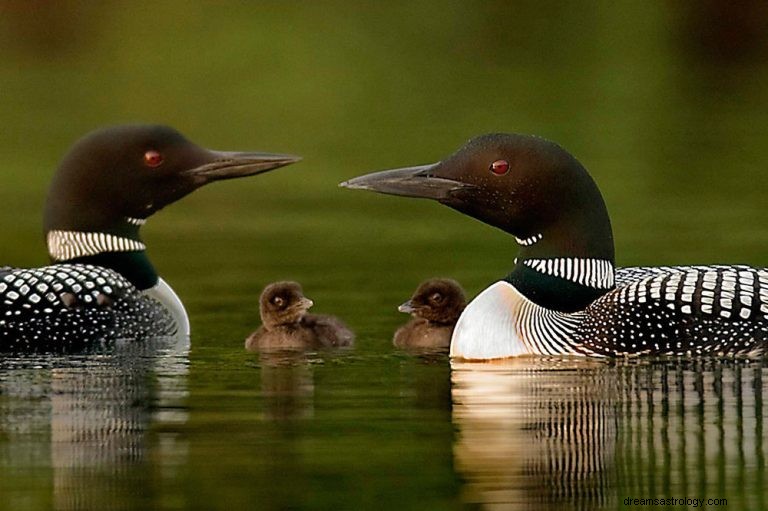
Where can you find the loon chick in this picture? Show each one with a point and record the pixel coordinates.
(287, 326)
(102, 285)
(564, 296)
(436, 306)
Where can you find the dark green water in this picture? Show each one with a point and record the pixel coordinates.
(667, 107)
(156, 429)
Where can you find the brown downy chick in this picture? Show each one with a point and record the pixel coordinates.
(435, 306)
(286, 324)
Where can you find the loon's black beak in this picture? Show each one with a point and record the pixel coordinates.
(228, 165)
(418, 181)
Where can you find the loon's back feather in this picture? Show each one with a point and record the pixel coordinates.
(72, 305)
(680, 310)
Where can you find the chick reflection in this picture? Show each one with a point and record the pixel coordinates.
(287, 326)
(436, 306)
(529, 441)
(287, 385)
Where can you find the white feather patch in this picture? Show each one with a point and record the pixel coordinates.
(487, 328)
(164, 294)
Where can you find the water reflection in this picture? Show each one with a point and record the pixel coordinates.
(287, 385)
(538, 434)
(534, 434)
(83, 421)
(693, 430)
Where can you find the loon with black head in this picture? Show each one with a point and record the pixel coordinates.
(101, 284)
(564, 295)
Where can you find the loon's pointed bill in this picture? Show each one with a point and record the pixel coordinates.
(233, 164)
(421, 181)
(564, 295)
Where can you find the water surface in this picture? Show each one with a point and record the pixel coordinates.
(132, 430)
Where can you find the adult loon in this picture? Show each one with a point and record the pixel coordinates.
(101, 285)
(564, 295)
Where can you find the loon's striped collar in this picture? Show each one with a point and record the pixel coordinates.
(68, 245)
(594, 273)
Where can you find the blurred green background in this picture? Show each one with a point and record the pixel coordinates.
(666, 103)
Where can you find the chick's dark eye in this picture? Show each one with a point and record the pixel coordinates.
(153, 158)
(277, 301)
(500, 167)
(436, 297)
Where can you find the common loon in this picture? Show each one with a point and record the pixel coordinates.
(436, 306)
(287, 326)
(101, 285)
(564, 295)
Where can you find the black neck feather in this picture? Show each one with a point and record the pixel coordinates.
(134, 266)
(557, 293)
(551, 292)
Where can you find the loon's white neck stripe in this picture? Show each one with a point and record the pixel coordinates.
(67, 245)
(596, 273)
(527, 242)
(136, 221)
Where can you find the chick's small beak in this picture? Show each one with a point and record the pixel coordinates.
(306, 303)
(407, 307)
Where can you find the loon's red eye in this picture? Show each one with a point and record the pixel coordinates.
(500, 167)
(153, 158)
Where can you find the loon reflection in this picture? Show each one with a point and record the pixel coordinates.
(545, 434)
(694, 430)
(89, 417)
(529, 441)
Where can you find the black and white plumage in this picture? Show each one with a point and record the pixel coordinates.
(676, 311)
(683, 310)
(102, 285)
(75, 305)
(564, 295)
